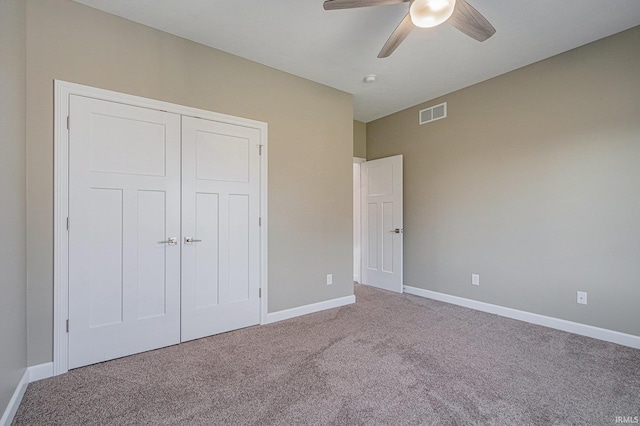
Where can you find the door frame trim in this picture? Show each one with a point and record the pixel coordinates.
(62, 92)
(357, 220)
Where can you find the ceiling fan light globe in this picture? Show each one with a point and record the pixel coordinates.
(430, 13)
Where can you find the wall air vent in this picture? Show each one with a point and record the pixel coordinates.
(433, 113)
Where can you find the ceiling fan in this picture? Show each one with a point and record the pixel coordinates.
(426, 14)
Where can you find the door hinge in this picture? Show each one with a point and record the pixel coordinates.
(67, 223)
(259, 149)
(259, 292)
(259, 221)
(68, 122)
(67, 326)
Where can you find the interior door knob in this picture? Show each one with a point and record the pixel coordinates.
(172, 241)
(397, 231)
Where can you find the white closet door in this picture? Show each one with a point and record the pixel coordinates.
(381, 183)
(124, 201)
(220, 214)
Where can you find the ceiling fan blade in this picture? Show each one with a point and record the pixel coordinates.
(468, 20)
(399, 34)
(348, 4)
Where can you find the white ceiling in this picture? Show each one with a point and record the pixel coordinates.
(339, 48)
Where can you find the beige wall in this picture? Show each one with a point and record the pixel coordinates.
(359, 139)
(310, 144)
(13, 256)
(533, 182)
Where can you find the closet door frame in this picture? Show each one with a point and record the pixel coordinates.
(62, 92)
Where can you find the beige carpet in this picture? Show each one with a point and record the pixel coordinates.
(388, 359)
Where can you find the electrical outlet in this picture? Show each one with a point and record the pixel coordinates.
(475, 279)
(582, 297)
(329, 279)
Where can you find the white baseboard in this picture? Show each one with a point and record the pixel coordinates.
(31, 374)
(40, 371)
(559, 324)
(15, 400)
(309, 309)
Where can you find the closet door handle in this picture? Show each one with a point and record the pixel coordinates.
(172, 241)
(189, 240)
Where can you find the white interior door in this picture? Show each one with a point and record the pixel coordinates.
(124, 201)
(382, 233)
(220, 216)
